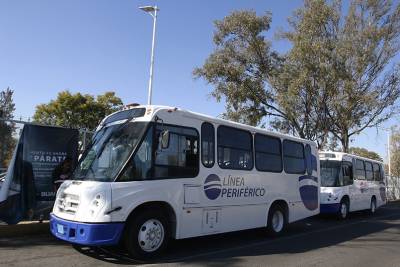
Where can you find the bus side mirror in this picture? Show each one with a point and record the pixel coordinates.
(164, 136)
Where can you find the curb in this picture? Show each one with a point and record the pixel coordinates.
(24, 229)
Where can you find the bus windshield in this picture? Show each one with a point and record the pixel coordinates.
(109, 151)
(330, 171)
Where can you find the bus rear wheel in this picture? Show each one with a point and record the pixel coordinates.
(147, 235)
(276, 221)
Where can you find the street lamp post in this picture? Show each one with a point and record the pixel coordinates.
(152, 10)
(389, 132)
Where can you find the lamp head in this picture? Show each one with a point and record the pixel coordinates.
(149, 8)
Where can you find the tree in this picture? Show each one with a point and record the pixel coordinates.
(362, 152)
(77, 110)
(336, 80)
(395, 152)
(241, 66)
(367, 87)
(7, 129)
(306, 81)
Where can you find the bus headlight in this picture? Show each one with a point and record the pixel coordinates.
(61, 189)
(97, 204)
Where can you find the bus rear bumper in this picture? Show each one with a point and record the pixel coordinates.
(329, 208)
(91, 234)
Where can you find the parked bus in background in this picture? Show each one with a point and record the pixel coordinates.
(350, 183)
(153, 173)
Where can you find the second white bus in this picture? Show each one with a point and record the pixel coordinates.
(350, 183)
(155, 173)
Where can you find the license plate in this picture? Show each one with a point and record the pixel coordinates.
(60, 229)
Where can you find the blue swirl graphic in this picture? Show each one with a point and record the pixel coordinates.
(212, 186)
(309, 193)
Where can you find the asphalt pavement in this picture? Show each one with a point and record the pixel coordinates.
(361, 240)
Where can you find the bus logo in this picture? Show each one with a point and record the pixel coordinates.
(212, 186)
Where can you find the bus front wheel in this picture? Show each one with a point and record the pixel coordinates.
(343, 209)
(147, 235)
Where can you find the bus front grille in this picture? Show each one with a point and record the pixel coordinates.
(68, 203)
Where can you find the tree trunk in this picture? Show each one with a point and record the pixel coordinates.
(345, 143)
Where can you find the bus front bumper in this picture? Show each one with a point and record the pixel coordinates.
(91, 234)
(329, 208)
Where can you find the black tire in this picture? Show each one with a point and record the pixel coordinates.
(372, 207)
(137, 225)
(343, 212)
(276, 229)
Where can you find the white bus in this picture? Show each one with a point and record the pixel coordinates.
(153, 173)
(350, 183)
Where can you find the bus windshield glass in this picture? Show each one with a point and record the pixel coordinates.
(110, 149)
(330, 171)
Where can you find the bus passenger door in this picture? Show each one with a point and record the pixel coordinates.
(348, 183)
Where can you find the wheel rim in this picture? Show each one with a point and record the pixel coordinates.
(373, 206)
(151, 235)
(277, 221)
(343, 210)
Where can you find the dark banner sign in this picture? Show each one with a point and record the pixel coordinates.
(46, 149)
(44, 157)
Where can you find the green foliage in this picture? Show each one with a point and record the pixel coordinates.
(334, 82)
(241, 66)
(362, 152)
(7, 129)
(305, 82)
(77, 110)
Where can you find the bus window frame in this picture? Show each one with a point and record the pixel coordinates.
(201, 145)
(280, 149)
(283, 156)
(366, 171)
(355, 167)
(251, 149)
(350, 165)
(154, 148)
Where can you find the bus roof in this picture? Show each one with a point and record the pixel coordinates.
(339, 156)
(151, 110)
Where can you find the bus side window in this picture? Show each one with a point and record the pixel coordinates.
(308, 159)
(235, 148)
(360, 170)
(207, 144)
(293, 157)
(377, 172)
(268, 153)
(368, 171)
(181, 158)
(347, 174)
(139, 168)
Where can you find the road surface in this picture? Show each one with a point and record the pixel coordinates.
(362, 240)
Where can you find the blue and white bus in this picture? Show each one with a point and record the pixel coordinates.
(153, 173)
(350, 183)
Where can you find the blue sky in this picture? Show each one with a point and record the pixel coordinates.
(93, 46)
